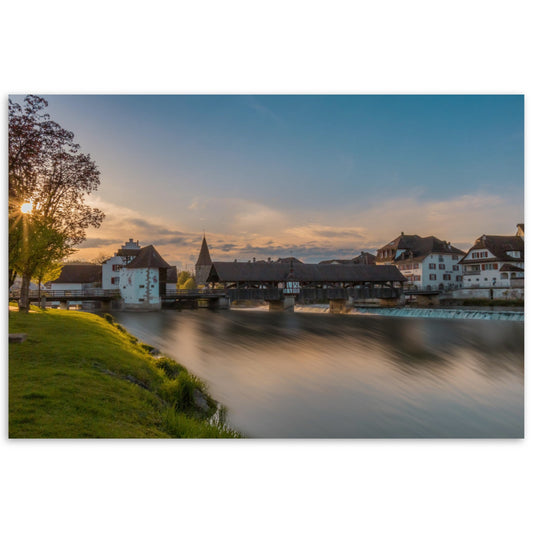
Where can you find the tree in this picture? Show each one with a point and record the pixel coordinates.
(189, 284)
(51, 178)
(186, 280)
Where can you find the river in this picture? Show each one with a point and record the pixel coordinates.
(305, 375)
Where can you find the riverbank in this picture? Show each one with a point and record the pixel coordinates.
(79, 375)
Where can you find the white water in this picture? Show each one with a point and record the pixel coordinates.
(475, 314)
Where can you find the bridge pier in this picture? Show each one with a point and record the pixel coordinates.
(285, 304)
(339, 306)
(106, 305)
(219, 303)
(63, 305)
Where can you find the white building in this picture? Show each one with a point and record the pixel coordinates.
(112, 267)
(427, 262)
(495, 261)
(143, 280)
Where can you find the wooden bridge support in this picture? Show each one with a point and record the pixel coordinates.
(339, 306)
(219, 303)
(285, 304)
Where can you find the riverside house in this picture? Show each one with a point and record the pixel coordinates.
(495, 261)
(427, 263)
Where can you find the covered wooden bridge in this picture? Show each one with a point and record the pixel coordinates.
(338, 284)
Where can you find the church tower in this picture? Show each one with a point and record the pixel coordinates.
(203, 264)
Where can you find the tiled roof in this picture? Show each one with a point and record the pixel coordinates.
(148, 257)
(498, 245)
(80, 274)
(419, 247)
(228, 272)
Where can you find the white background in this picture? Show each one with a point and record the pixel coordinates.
(273, 47)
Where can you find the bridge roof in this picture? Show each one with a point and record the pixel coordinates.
(276, 272)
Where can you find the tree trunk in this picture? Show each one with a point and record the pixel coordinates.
(39, 292)
(12, 277)
(24, 302)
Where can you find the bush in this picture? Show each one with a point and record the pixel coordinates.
(109, 318)
(171, 369)
(179, 392)
(179, 426)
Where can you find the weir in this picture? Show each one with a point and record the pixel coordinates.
(467, 314)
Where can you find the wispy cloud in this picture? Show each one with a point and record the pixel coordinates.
(239, 229)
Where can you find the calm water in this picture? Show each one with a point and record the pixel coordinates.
(319, 375)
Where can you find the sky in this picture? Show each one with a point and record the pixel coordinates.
(317, 177)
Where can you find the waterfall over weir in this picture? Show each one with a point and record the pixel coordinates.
(475, 314)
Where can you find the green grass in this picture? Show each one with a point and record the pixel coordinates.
(81, 376)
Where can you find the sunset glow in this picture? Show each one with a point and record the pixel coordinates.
(27, 207)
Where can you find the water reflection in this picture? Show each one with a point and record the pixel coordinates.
(305, 375)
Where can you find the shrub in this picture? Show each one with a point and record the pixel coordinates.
(179, 392)
(170, 367)
(109, 318)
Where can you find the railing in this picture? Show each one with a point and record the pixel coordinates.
(73, 294)
(194, 293)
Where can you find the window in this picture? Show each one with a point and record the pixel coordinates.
(115, 281)
(458, 278)
(116, 268)
(141, 286)
(416, 265)
(455, 267)
(441, 259)
(504, 276)
(455, 257)
(446, 277)
(141, 299)
(432, 266)
(416, 278)
(432, 277)
(442, 266)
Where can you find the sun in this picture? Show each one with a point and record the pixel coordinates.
(27, 207)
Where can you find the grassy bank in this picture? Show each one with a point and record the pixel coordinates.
(81, 376)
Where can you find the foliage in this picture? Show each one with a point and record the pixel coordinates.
(47, 170)
(78, 376)
(169, 367)
(189, 284)
(186, 280)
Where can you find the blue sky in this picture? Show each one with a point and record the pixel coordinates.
(321, 176)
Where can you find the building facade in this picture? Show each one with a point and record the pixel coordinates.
(495, 261)
(112, 267)
(143, 280)
(427, 263)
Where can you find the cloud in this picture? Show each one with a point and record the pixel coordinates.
(241, 229)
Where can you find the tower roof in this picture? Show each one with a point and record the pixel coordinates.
(204, 258)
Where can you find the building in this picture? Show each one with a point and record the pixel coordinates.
(364, 258)
(428, 263)
(77, 277)
(495, 261)
(203, 264)
(143, 280)
(112, 267)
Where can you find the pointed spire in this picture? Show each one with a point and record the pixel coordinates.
(204, 258)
